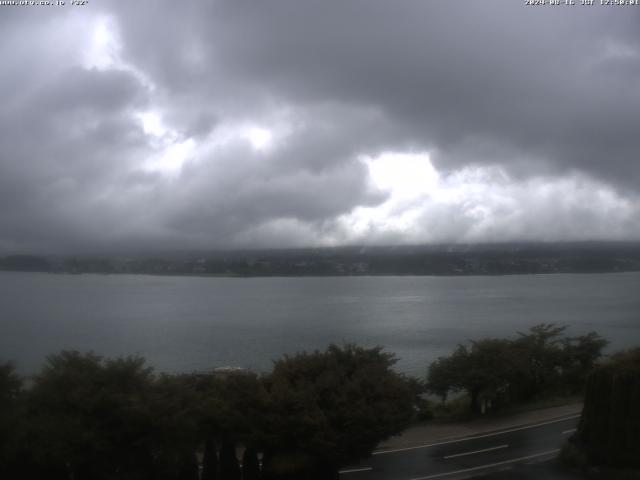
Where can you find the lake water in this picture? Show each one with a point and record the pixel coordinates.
(191, 323)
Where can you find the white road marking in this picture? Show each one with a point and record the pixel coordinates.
(571, 430)
(474, 437)
(355, 470)
(489, 465)
(476, 451)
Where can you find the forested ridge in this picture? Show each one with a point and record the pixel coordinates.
(487, 259)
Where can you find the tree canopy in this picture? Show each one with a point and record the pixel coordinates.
(609, 429)
(333, 407)
(495, 372)
(91, 418)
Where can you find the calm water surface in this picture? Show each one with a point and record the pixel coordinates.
(190, 323)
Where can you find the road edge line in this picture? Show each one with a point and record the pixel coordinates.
(464, 454)
(489, 465)
(474, 437)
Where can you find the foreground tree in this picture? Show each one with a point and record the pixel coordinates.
(495, 372)
(250, 464)
(229, 466)
(90, 418)
(209, 461)
(174, 433)
(541, 358)
(485, 371)
(330, 408)
(609, 429)
(580, 356)
(10, 419)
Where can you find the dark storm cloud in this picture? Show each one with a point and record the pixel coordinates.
(90, 90)
(65, 132)
(556, 83)
(539, 93)
(548, 83)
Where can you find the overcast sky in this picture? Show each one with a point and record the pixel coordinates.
(228, 124)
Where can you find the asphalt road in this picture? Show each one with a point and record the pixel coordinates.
(467, 457)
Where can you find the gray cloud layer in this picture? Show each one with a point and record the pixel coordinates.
(528, 114)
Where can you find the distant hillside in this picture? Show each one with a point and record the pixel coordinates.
(482, 259)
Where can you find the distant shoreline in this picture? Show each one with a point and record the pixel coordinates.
(381, 275)
(450, 261)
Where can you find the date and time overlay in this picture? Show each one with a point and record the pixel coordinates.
(43, 3)
(585, 3)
